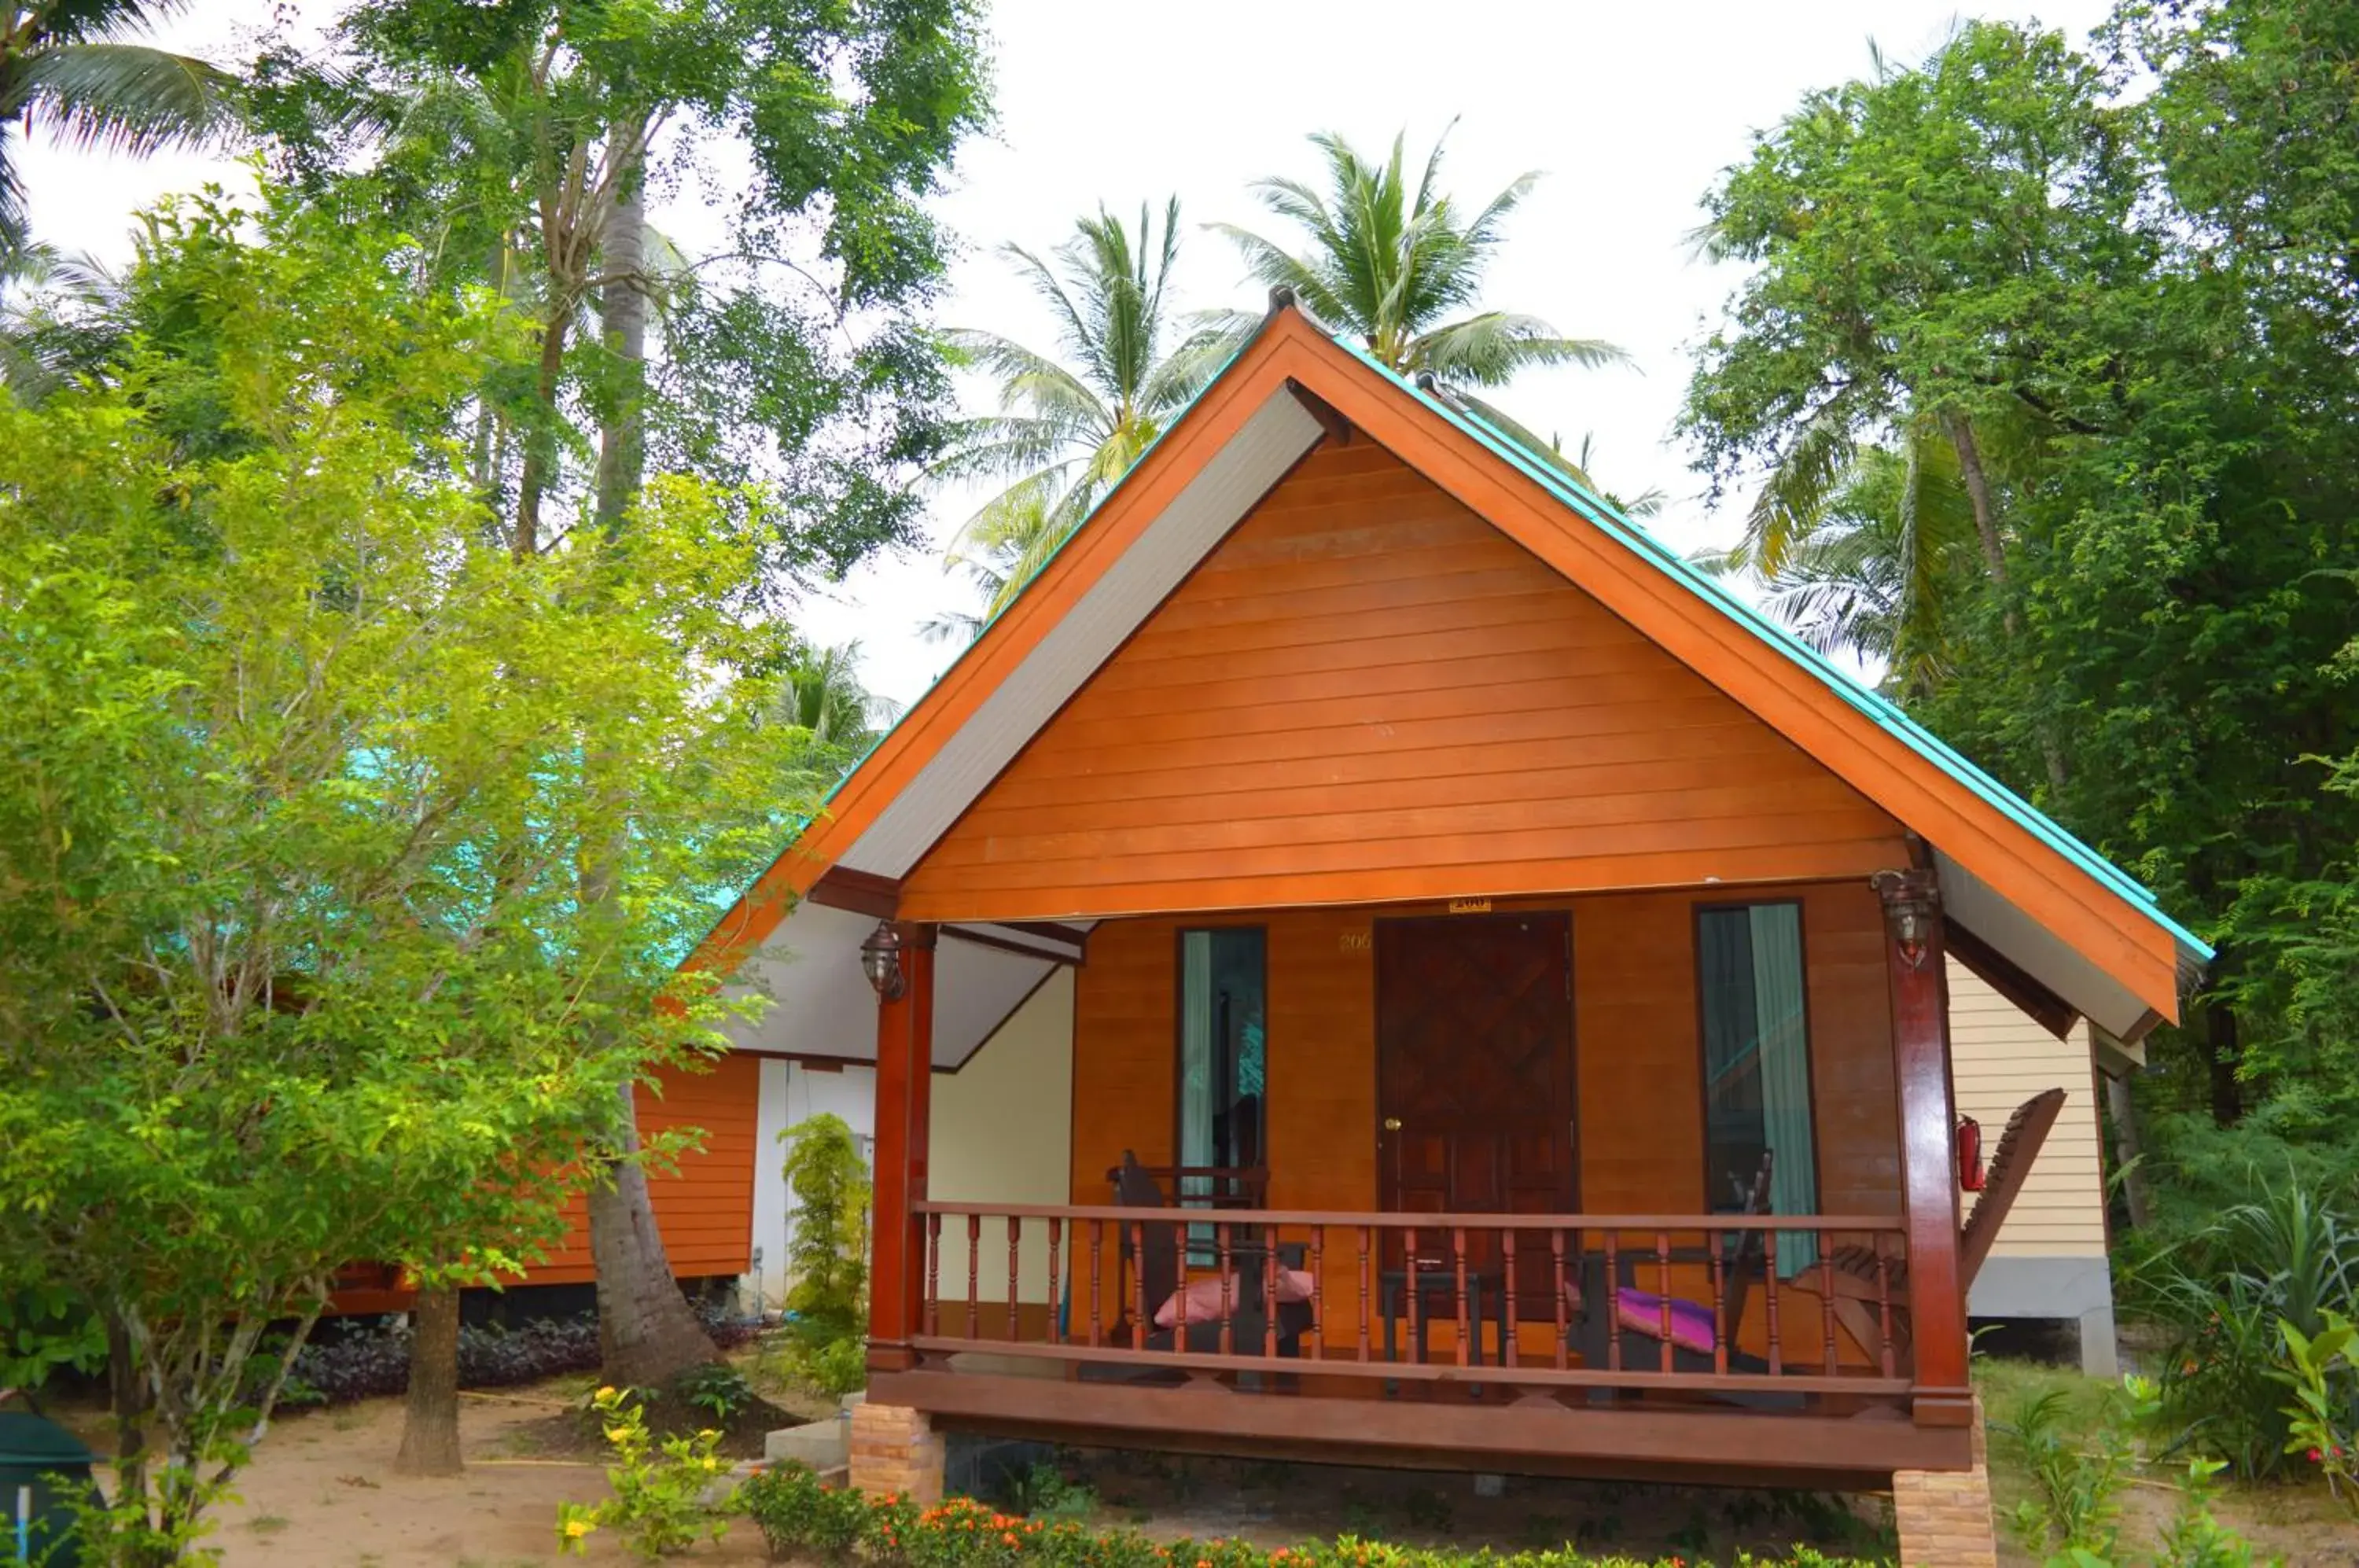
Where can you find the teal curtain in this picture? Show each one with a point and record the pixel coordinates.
(1785, 1056)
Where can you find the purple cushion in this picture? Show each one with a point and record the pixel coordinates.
(1642, 1313)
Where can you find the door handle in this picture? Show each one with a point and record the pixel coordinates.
(1392, 1124)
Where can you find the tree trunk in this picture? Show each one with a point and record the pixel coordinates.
(1969, 468)
(647, 1333)
(2122, 1107)
(131, 1401)
(430, 1428)
(2220, 1057)
(623, 316)
(540, 438)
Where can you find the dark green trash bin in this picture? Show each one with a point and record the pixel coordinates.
(44, 1469)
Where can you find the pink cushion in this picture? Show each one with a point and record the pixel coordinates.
(1203, 1297)
(1642, 1313)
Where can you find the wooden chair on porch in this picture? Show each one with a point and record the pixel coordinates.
(1858, 1292)
(1694, 1329)
(1152, 1273)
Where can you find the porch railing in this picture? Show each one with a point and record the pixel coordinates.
(1552, 1297)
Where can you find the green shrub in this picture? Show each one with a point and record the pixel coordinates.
(797, 1516)
(827, 1256)
(717, 1388)
(2285, 1255)
(2076, 1492)
(2322, 1420)
(658, 1504)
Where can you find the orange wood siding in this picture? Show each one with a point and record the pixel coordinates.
(705, 1210)
(1637, 1063)
(1368, 693)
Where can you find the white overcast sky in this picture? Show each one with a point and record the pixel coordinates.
(1630, 110)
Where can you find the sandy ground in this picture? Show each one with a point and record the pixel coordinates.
(321, 1491)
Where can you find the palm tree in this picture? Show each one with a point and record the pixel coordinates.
(1066, 430)
(1397, 268)
(822, 694)
(1878, 567)
(74, 65)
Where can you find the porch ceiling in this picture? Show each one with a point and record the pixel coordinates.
(821, 1005)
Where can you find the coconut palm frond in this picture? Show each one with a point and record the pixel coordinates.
(1073, 426)
(1213, 340)
(1003, 446)
(1796, 490)
(1487, 350)
(126, 97)
(1393, 264)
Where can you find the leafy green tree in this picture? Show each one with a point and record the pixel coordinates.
(2136, 310)
(1882, 570)
(1396, 267)
(1067, 429)
(301, 767)
(793, 368)
(76, 67)
(1928, 244)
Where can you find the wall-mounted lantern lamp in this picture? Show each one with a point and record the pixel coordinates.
(880, 956)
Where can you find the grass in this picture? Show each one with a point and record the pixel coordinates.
(266, 1524)
(2006, 1386)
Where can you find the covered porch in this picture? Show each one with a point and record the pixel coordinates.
(1621, 1183)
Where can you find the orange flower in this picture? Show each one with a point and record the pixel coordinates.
(1008, 1536)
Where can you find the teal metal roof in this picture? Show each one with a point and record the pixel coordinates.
(1880, 710)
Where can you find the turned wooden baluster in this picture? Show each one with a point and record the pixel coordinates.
(1269, 1294)
(1458, 1252)
(1014, 1246)
(973, 1280)
(1663, 1295)
(1769, 1296)
(1507, 1283)
(1563, 1322)
(1884, 1305)
(1319, 1288)
(1138, 1289)
(1055, 1228)
(1826, 1299)
(1718, 1241)
(1612, 1304)
(933, 1274)
(1097, 1281)
(1408, 1263)
(1228, 1302)
(1364, 1292)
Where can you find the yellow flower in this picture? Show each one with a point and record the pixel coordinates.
(607, 1392)
(576, 1528)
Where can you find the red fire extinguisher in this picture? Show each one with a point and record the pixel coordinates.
(1970, 1155)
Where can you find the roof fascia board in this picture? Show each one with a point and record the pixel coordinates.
(1218, 412)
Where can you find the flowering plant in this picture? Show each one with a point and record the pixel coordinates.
(2321, 1370)
(658, 1488)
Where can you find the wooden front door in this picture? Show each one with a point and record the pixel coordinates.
(1474, 1090)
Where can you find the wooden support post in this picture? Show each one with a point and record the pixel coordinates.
(904, 1042)
(1920, 1052)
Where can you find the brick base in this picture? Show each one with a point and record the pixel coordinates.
(1944, 1516)
(894, 1451)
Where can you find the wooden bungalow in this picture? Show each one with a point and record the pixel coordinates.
(1508, 1010)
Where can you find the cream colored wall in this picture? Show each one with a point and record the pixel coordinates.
(1003, 1132)
(1999, 1059)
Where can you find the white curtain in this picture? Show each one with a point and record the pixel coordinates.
(1784, 1075)
(1196, 1086)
